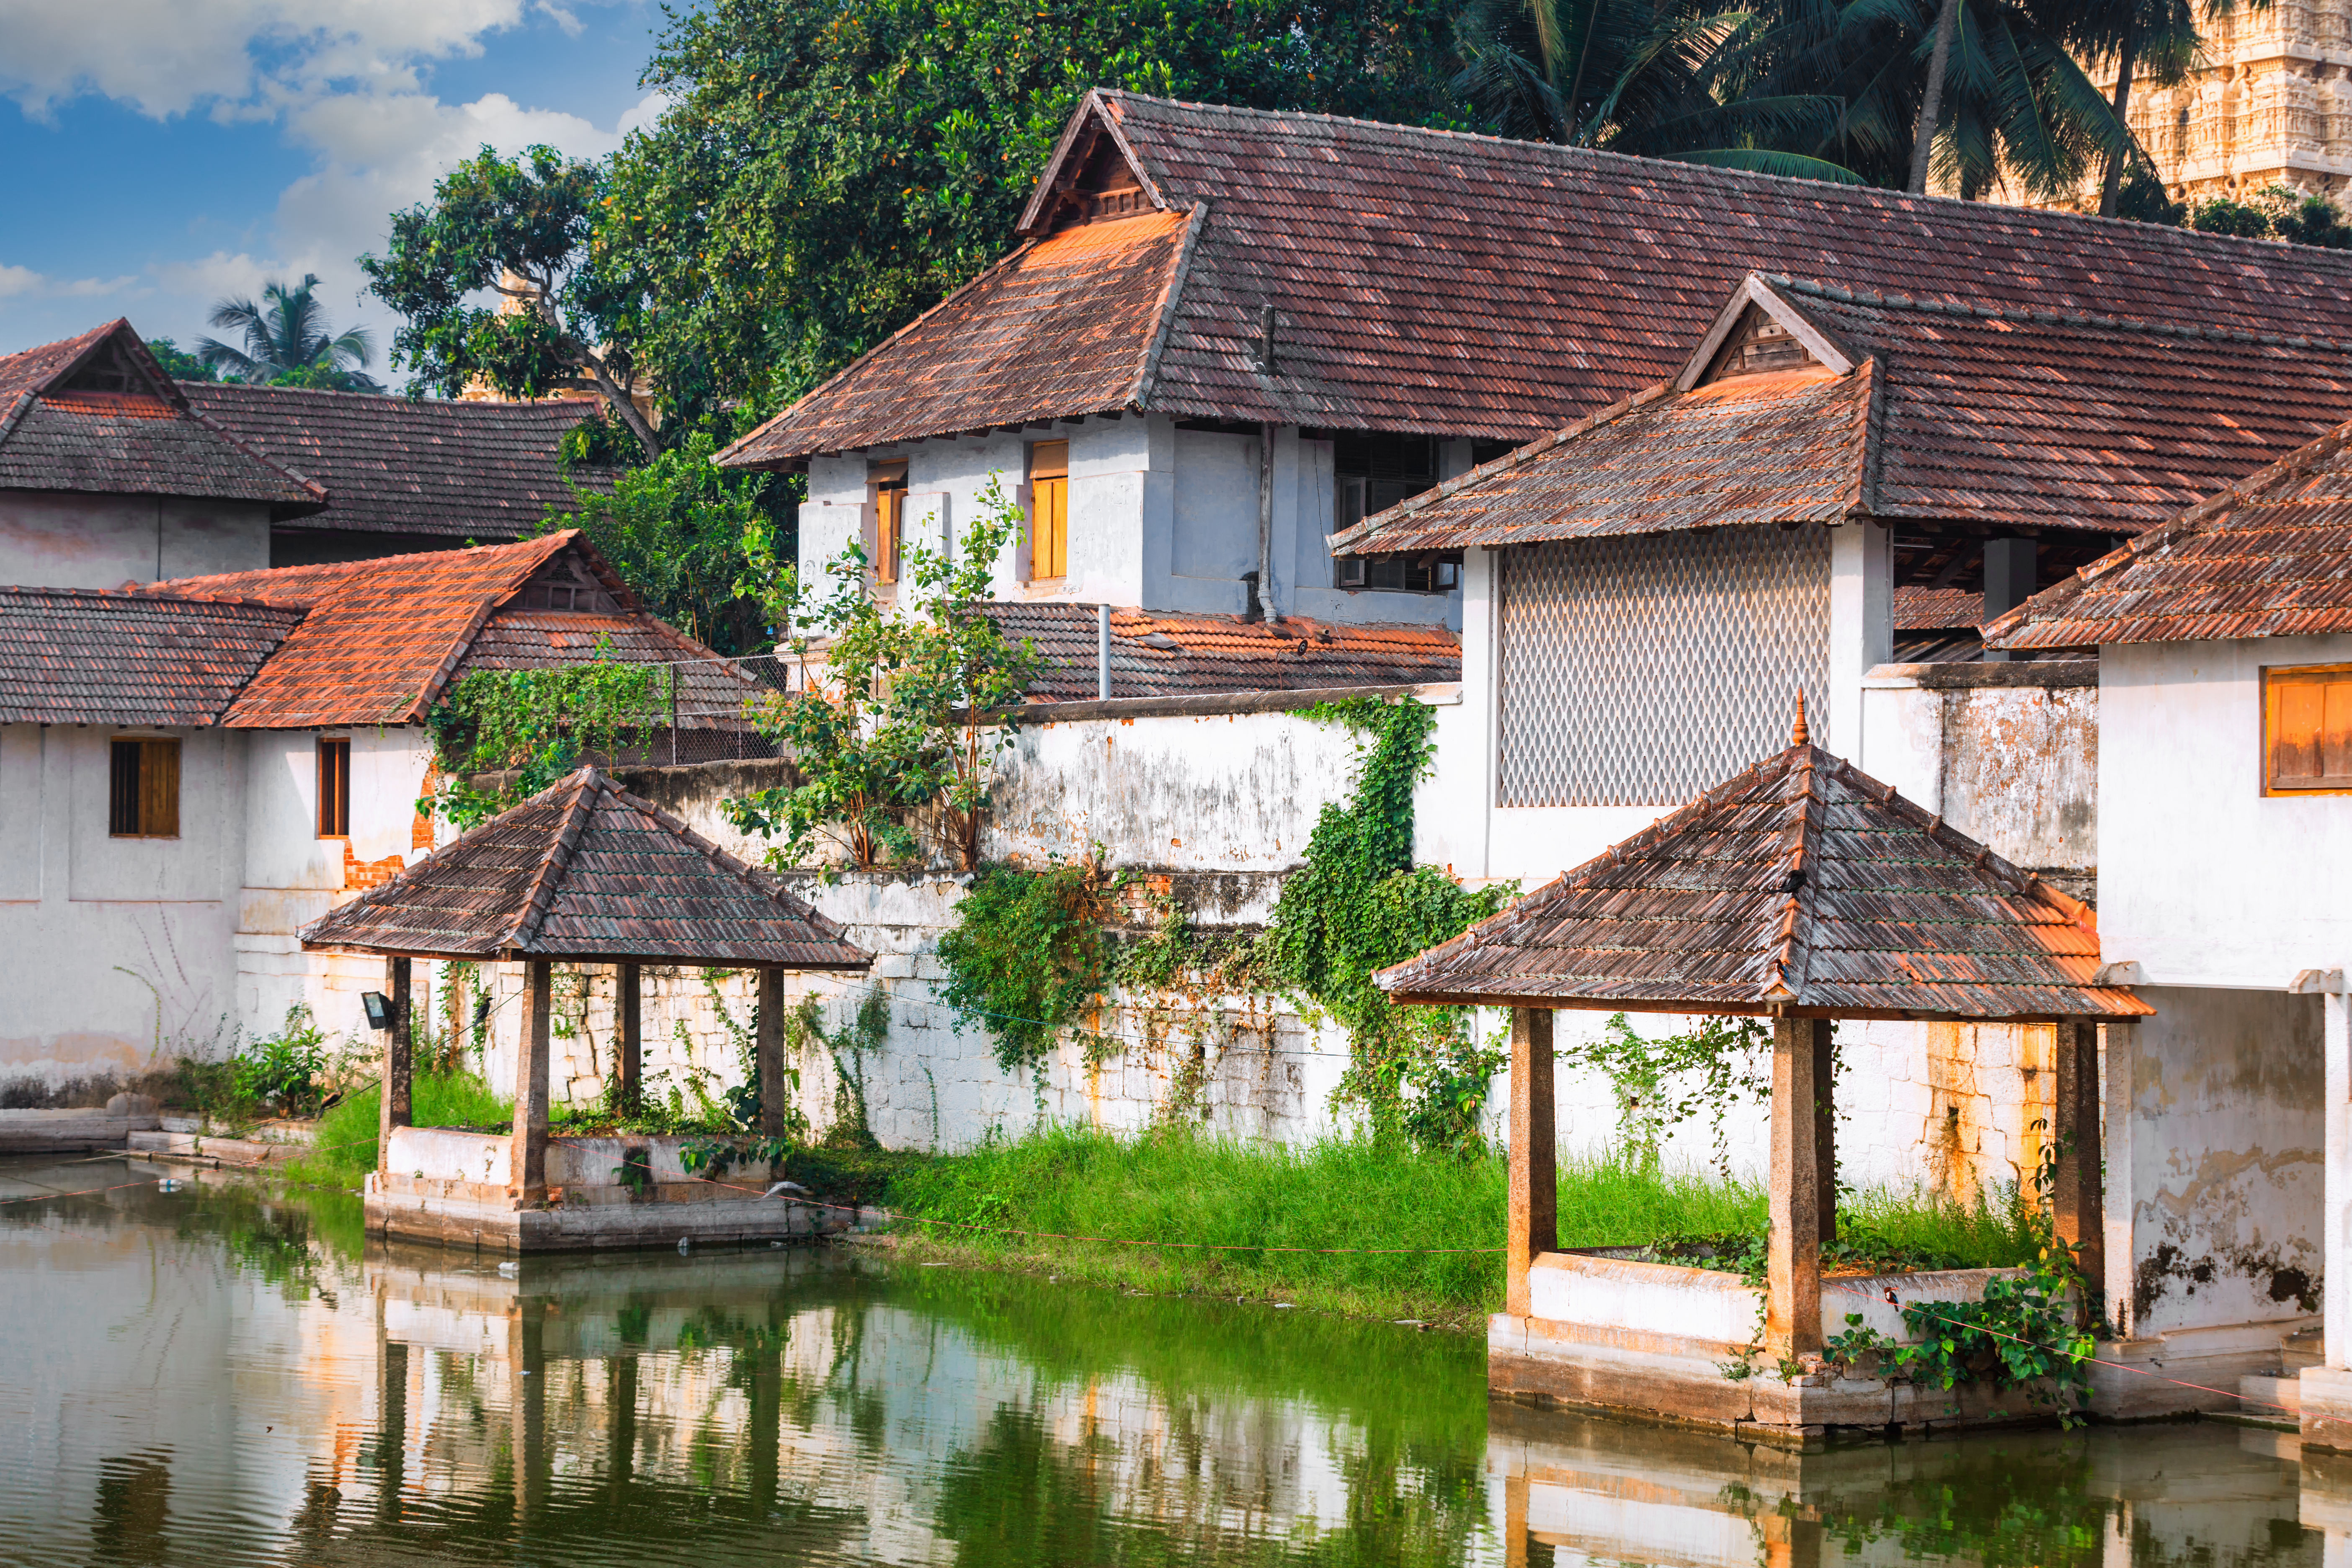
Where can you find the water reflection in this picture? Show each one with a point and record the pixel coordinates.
(219, 1377)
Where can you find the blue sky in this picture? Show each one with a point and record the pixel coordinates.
(161, 153)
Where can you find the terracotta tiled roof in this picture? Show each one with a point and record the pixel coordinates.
(1158, 654)
(1800, 885)
(470, 471)
(384, 638)
(142, 440)
(1788, 447)
(2264, 558)
(2033, 417)
(1918, 609)
(587, 872)
(79, 657)
(1061, 328)
(1474, 287)
(1955, 412)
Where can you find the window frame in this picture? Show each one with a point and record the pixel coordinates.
(2272, 686)
(144, 787)
(1040, 477)
(888, 480)
(334, 776)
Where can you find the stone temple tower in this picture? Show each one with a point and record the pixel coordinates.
(2274, 104)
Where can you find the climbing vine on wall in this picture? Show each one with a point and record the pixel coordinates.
(1357, 905)
(533, 726)
(1030, 950)
(1660, 1083)
(1027, 953)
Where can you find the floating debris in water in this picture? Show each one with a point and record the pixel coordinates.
(510, 1269)
(169, 1183)
(684, 1243)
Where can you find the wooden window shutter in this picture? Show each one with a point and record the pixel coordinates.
(159, 789)
(1049, 510)
(2307, 729)
(334, 789)
(889, 518)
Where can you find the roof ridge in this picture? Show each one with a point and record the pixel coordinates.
(1688, 169)
(1948, 306)
(1022, 248)
(586, 785)
(1778, 983)
(1172, 296)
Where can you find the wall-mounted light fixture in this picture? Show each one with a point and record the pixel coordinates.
(379, 1009)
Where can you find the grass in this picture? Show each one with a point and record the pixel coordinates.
(1174, 1185)
(345, 1149)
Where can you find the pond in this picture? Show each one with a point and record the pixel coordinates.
(220, 1375)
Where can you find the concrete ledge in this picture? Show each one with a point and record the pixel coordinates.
(1528, 1367)
(67, 1131)
(471, 1219)
(1214, 704)
(2326, 1408)
(2048, 673)
(192, 1148)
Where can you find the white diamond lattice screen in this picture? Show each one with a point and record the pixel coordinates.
(1640, 669)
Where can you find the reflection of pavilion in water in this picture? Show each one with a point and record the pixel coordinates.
(1584, 1489)
(764, 1394)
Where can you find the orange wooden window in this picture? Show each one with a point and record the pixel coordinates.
(143, 790)
(889, 518)
(1049, 510)
(334, 789)
(2307, 729)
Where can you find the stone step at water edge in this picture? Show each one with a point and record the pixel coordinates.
(2271, 1398)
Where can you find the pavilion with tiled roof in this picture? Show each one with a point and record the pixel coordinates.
(1802, 892)
(582, 873)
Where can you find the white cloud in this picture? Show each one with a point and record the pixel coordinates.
(348, 81)
(23, 282)
(168, 57)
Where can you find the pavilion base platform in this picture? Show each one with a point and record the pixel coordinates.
(1611, 1335)
(452, 1189)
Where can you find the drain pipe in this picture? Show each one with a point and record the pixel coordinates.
(1264, 594)
(1102, 652)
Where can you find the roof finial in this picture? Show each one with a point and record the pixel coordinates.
(1799, 735)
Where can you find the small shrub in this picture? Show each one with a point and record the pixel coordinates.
(281, 1072)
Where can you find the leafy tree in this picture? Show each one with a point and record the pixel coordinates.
(523, 229)
(2276, 212)
(177, 363)
(288, 341)
(901, 714)
(674, 528)
(826, 173)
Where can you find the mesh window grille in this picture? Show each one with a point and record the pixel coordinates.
(1640, 670)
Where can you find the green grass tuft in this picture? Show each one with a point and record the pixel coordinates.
(1179, 1185)
(345, 1150)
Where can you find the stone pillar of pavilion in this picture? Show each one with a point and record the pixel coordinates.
(1803, 892)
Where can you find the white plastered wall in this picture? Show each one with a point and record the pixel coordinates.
(62, 539)
(120, 948)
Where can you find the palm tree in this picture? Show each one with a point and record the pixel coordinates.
(1835, 88)
(288, 341)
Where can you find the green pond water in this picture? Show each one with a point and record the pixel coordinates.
(223, 1376)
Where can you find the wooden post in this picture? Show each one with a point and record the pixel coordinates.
(398, 1062)
(2078, 1202)
(631, 1066)
(1534, 1177)
(770, 1051)
(391, 1423)
(1792, 1265)
(529, 1151)
(1825, 1125)
(1515, 1520)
